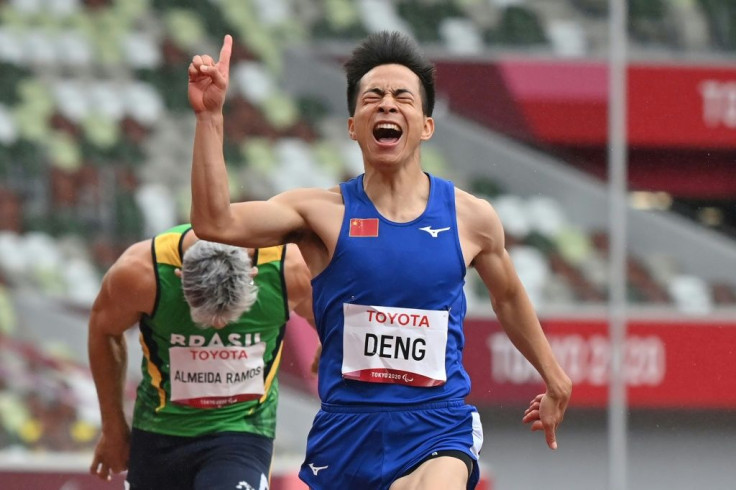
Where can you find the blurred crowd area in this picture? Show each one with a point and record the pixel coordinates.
(96, 134)
(47, 400)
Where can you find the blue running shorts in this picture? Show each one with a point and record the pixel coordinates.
(223, 461)
(369, 447)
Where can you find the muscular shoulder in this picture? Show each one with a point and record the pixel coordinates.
(303, 198)
(321, 212)
(312, 204)
(131, 279)
(479, 225)
(477, 212)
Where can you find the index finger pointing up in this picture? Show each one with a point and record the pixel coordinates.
(225, 52)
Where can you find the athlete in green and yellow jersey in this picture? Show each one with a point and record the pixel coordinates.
(212, 320)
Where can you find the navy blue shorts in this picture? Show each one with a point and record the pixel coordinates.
(370, 447)
(223, 461)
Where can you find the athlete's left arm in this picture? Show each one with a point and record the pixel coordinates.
(298, 283)
(299, 291)
(482, 238)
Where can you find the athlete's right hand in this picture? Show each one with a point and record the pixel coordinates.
(208, 80)
(111, 454)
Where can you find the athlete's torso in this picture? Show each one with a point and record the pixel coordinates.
(389, 307)
(197, 381)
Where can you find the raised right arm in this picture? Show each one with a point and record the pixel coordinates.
(128, 289)
(213, 217)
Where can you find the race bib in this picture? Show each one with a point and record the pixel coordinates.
(384, 344)
(211, 377)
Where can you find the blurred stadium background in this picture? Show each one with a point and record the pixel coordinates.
(95, 141)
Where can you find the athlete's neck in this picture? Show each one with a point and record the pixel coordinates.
(399, 197)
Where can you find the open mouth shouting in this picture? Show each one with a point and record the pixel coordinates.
(387, 133)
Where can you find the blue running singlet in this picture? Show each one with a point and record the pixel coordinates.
(401, 285)
(389, 310)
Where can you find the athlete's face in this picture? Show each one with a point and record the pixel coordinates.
(389, 123)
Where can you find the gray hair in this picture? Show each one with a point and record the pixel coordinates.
(216, 282)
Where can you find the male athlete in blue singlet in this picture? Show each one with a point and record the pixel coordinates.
(388, 252)
(391, 379)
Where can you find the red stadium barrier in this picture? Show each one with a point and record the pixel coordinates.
(37, 479)
(680, 116)
(677, 365)
(56, 480)
(65, 480)
(300, 344)
(564, 101)
(289, 481)
(669, 364)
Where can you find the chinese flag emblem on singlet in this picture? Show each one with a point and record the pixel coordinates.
(364, 227)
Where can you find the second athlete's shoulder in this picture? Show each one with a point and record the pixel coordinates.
(135, 259)
(130, 280)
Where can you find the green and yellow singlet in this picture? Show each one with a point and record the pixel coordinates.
(199, 381)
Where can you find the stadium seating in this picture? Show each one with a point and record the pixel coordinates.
(118, 126)
(95, 140)
(47, 401)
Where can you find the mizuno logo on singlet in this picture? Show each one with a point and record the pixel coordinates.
(434, 232)
(316, 469)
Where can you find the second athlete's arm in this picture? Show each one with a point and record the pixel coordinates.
(127, 290)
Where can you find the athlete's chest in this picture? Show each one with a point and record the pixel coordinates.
(421, 254)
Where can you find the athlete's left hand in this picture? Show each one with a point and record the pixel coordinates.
(546, 413)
